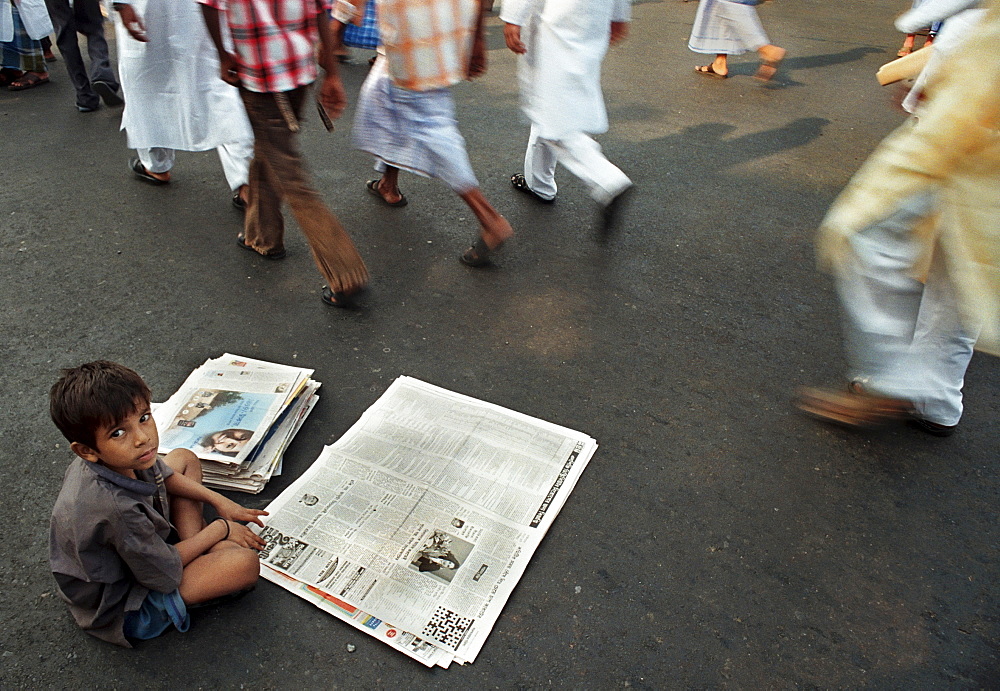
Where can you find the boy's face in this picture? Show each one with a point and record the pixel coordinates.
(127, 446)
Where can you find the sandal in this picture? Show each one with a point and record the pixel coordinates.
(853, 409)
(28, 80)
(769, 68)
(857, 388)
(335, 299)
(709, 71)
(139, 170)
(7, 75)
(521, 185)
(274, 254)
(372, 187)
(478, 254)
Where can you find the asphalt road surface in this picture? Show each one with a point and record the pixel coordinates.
(718, 539)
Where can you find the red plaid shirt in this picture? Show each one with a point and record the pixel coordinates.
(275, 41)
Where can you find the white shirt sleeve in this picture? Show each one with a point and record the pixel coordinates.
(931, 11)
(519, 11)
(622, 11)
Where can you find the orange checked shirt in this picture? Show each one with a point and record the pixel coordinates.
(428, 43)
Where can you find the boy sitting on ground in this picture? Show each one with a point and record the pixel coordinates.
(129, 545)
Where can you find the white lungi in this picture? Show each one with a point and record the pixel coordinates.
(723, 27)
(904, 337)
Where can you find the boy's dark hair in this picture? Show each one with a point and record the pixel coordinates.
(96, 394)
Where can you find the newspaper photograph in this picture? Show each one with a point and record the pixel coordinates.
(426, 512)
(218, 425)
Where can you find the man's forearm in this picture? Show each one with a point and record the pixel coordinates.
(211, 16)
(329, 43)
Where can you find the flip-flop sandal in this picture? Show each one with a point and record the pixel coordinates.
(478, 255)
(709, 71)
(372, 187)
(28, 80)
(139, 170)
(280, 254)
(8, 75)
(767, 70)
(335, 299)
(852, 409)
(518, 182)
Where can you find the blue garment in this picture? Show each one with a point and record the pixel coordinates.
(412, 130)
(366, 35)
(157, 613)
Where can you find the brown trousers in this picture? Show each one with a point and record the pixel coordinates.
(277, 175)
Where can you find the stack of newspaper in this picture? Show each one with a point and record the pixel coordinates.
(238, 415)
(417, 524)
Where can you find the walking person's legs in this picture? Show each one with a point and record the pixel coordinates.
(277, 174)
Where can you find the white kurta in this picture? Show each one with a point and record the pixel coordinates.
(174, 97)
(34, 16)
(560, 74)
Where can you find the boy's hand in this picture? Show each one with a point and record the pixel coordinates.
(619, 32)
(512, 35)
(244, 537)
(332, 96)
(132, 22)
(231, 511)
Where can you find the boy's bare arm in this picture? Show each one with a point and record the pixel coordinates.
(214, 533)
(182, 486)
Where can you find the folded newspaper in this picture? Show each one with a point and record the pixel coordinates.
(238, 415)
(416, 525)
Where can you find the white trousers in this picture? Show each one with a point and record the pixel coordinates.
(582, 156)
(235, 157)
(904, 337)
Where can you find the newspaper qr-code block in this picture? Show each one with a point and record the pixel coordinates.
(447, 627)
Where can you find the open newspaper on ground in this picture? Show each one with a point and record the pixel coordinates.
(416, 525)
(238, 415)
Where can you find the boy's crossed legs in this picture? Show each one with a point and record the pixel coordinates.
(217, 566)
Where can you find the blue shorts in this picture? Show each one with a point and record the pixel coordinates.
(157, 613)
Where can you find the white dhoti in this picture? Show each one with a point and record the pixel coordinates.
(411, 130)
(723, 27)
(174, 97)
(904, 337)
